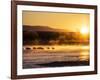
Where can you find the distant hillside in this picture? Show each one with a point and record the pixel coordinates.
(44, 35)
(42, 28)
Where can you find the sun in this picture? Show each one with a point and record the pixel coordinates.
(84, 30)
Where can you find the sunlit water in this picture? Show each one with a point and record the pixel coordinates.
(54, 53)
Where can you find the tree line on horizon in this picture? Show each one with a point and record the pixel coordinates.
(53, 38)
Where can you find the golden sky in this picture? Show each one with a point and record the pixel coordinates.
(67, 21)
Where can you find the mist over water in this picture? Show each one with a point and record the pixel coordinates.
(41, 54)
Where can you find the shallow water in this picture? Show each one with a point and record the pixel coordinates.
(32, 57)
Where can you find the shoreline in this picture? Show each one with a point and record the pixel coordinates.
(57, 64)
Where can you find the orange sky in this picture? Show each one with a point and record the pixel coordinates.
(67, 21)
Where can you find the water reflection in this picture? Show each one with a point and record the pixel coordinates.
(84, 56)
(68, 53)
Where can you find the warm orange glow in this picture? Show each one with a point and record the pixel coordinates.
(68, 21)
(84, 30)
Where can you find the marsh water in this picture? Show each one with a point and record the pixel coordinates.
(39, 56)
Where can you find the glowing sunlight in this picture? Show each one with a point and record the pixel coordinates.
(84, 30)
